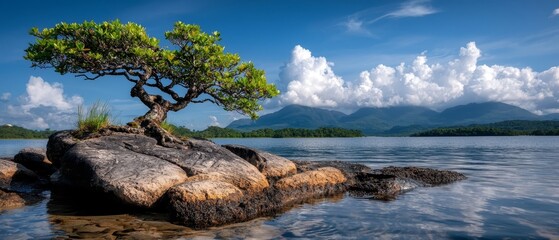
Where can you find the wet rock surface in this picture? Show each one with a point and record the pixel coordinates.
(16, 177)
(386, 183)
(19, 186)
(200, 184)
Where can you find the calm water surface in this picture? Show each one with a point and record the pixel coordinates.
(512, 191)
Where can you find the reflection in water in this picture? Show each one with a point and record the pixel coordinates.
(511, 192)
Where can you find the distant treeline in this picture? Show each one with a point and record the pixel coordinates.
(15, 132)
(217, 132)
(506, 128)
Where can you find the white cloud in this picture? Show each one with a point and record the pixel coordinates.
(416, 8)
(44, 105)
(5, 96)
(357, 22)
(556, 12)
(311, 81)
(356, 26)
(43, 94)
(214, 120)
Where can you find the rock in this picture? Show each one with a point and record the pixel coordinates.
(59, 143)
(211, 161)
(10, 200)
(386, 183)
(206, 203)
(205, 184)
(272, 166)
(36, 160)
(311, 184)
(428, 176)
(381, 186)
(16, 177)
(107, 164)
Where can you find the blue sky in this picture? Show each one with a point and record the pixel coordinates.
(332, 54)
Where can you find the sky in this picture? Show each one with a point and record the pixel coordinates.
(340, 55)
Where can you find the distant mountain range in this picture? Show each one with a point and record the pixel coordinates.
(401, 120)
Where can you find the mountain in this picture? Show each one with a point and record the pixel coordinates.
(479, 113)
(378, 120)
(391, 120)
(292, 116)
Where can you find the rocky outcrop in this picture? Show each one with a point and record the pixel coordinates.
(109, 164)
(36, 160)
(272, 166)
(204, 184)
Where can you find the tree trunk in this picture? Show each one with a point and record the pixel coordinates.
(156, 113)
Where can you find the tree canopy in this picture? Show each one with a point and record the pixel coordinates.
(194, 69)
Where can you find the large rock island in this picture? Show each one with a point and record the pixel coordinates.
(203, 184)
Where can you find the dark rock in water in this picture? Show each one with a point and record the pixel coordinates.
(19, 186)
(425, 175)
(16, 177)
(272, 166)
(36, 160)
(386, 183)
(12, 200)
(204, 184)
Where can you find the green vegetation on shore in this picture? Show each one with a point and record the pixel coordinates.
(15, 132)
(217, 132)
(505, 128)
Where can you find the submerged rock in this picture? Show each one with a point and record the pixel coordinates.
(204, 184)
(10, 200)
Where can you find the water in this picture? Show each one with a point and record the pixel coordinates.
(511, 192)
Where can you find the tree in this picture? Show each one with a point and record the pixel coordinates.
(196, 69)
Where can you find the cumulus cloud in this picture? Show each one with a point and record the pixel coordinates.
(44, 94)
(556, 12)
(5, 97)
(214, 121)
(44, 105)
(311, 81)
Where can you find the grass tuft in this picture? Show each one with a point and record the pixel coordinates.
(168, 127)
(95, 118)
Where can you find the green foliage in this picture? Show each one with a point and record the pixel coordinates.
(505, 128)
(196, 63)
(95, 118)
(15, 132)
(170, 128)
(217, 132)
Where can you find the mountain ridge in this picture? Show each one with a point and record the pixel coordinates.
(396, 120)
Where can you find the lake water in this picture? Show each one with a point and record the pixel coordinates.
(512, 191)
